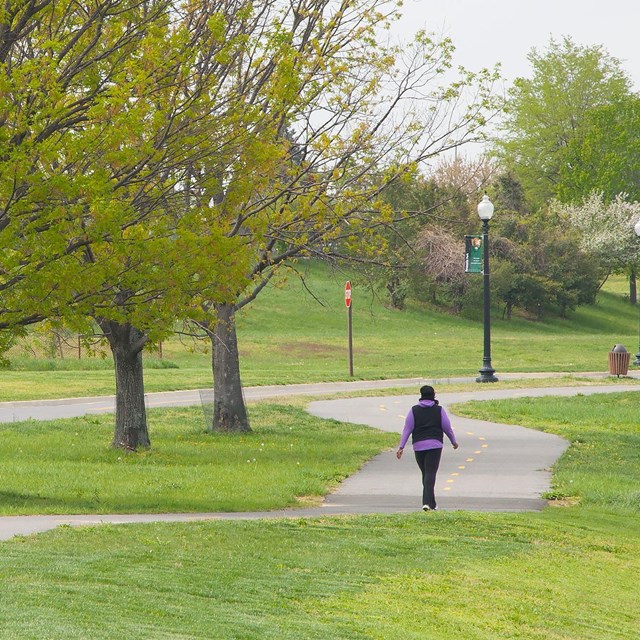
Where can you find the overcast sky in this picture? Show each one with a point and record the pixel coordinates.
(490, 31)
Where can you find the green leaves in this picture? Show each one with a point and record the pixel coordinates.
(547, 113)
(604, 157)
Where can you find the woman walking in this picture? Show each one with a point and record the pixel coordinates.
(427, 422)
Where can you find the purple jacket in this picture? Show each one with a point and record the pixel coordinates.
(423, 445)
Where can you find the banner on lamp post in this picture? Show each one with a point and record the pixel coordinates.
(473, 254)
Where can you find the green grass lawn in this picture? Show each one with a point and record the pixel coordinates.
(569, 572)
(289, 336)
(566, 574)
(67, 466)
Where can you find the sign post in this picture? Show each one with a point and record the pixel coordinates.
(347, 302)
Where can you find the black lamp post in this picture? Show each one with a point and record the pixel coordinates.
(636, 362)
(485, 212)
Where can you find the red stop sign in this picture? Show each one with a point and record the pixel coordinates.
(347, 294)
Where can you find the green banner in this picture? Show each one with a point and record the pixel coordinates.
(473, 254)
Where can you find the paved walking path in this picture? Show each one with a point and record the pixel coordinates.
(72, 407)
(497, 467)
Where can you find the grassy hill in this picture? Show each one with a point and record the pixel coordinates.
(296, 333)
(288, 336)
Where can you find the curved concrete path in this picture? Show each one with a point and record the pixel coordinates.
(497, 467)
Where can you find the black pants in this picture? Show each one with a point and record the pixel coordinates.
(428, 461)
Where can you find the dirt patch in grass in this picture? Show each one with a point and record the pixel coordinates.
(569, 501)
(309, 501)
(301, 349)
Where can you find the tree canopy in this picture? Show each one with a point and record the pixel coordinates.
(164, 159)
(549, 113)
(59, 64)
(605, 158)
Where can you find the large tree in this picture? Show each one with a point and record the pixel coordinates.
(167, 245)
(337, 117)
(107, 106)
(548, 112)
(66, 69)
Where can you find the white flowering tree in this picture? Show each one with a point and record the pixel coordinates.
(607, 231)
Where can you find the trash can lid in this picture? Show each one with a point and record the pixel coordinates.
(619, 348)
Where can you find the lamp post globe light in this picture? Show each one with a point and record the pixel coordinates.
(485, 213)
(636, 362)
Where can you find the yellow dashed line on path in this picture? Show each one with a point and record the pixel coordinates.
(455, 474)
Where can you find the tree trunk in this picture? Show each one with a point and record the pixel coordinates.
(633, 287)
(126, 344)
(396, 293)
(229, 410)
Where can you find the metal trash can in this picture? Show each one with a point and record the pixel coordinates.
(619, 360)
